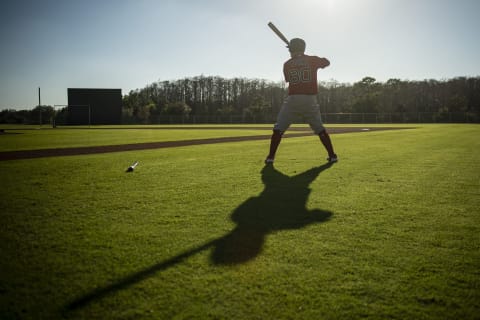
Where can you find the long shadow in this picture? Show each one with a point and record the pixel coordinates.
(280, 206)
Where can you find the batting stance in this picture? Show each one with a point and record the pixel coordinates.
(301, 74)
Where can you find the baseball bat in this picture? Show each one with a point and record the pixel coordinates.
(132, 167)
(278, 33)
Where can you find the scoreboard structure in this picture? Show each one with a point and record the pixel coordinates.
(94, 106)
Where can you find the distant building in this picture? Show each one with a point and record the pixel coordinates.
(94, 106)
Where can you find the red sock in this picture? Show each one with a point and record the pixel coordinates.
(327, 143)
(274, 142)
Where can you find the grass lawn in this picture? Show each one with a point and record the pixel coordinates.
(29, 137)
(207, 232)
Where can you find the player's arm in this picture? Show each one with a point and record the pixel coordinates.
(285, 73)
(322, 62)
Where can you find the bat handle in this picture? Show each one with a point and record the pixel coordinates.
(132, 167)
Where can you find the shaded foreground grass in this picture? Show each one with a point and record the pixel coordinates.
(392, 231)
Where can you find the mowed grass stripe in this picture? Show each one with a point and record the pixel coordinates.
(14, 139)
(101, 145)
(56, 152)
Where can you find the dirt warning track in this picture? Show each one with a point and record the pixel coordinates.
(58, 152)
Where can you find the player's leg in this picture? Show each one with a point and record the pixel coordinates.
(282, 124)
(274, 143)
(315, 121)
(327, 143)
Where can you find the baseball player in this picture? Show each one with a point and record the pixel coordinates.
(301, 74)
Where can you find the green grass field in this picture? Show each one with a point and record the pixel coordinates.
(392, 231)
(32, 138)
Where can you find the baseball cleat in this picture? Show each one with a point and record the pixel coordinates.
(332, 159)
(269, 161)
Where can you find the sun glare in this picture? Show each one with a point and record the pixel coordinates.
(326, 6)
(329, 4)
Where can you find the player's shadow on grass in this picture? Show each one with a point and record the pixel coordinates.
(280, 206)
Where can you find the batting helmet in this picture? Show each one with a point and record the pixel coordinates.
(297, 45)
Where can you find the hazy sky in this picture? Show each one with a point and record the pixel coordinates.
(127, 44)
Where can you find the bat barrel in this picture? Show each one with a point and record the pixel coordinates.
(278, 33)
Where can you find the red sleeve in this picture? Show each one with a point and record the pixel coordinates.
(285, 71)
(322, 62)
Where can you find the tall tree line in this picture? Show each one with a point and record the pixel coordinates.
(257, 98)
(455, 95)
(202, 96)
(38, 115)
(239, 96)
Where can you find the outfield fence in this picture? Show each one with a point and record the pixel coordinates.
(417, 117)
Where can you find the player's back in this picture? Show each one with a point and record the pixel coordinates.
(301, 73)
